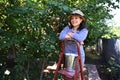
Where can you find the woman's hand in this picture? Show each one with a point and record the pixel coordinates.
(69, 36)
(81, 43)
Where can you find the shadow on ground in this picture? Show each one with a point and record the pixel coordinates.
(98, 60)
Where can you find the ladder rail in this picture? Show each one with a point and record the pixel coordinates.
(59, 60)
(78, 61)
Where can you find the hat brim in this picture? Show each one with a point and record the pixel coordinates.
(69, 17)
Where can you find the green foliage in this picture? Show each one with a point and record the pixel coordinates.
(113, 69)
(112, 32)
(29, 31)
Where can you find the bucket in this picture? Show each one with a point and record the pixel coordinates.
(70, 61)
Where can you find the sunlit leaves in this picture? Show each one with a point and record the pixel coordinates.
(112, 33)
(33, 26)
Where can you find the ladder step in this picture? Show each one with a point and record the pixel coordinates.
(67, 73)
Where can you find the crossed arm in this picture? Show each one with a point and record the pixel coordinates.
(67, 33)
(69, 36)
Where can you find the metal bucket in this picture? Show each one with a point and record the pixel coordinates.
(70, 61)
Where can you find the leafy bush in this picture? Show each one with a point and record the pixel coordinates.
(29, 31)
(112, 32)
(114, 69)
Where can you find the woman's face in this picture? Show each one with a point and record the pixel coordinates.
(75, 21)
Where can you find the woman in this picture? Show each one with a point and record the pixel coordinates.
(76, 30)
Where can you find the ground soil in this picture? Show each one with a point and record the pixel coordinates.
(100, 64)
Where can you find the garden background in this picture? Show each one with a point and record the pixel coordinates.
(29, 31)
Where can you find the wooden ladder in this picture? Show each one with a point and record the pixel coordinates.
(77, 74)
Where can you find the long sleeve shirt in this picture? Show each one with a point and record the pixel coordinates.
(80, 35)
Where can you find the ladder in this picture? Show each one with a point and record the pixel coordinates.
(77, 74)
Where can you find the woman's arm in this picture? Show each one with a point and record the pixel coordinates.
(79, 36)
(63, 33)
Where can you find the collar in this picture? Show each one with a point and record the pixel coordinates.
(73, 30)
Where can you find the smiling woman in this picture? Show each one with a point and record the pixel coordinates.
(77, 30)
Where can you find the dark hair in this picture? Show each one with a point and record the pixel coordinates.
(81, 26)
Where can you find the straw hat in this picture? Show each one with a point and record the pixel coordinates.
(77, 13)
